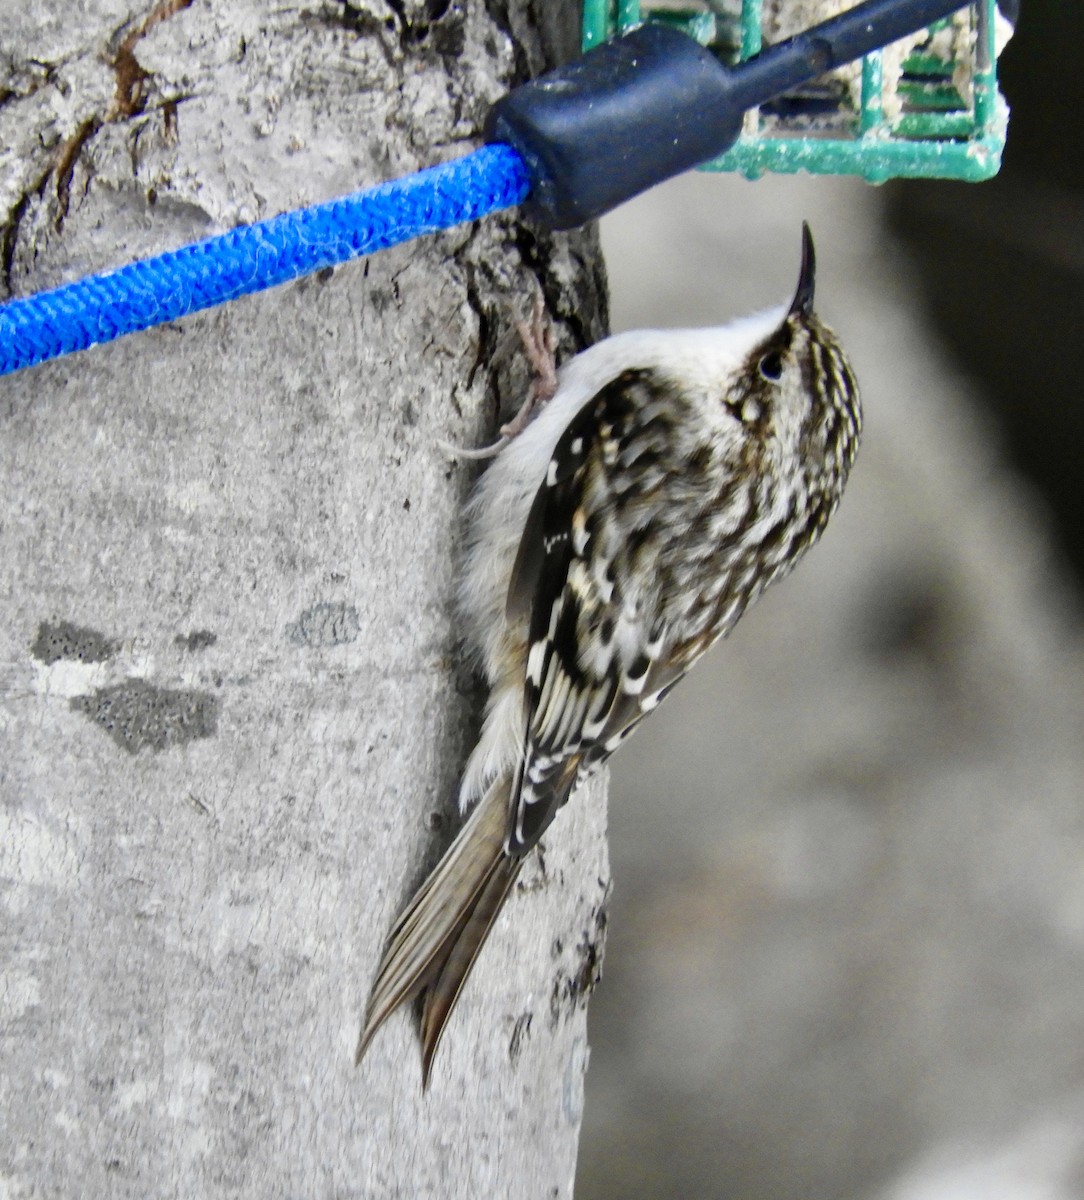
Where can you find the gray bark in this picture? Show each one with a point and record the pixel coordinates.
(232, 704)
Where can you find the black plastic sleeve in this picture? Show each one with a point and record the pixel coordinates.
(629, 114)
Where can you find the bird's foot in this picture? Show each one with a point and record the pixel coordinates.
(539, 346)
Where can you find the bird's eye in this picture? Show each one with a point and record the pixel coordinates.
(771, 366)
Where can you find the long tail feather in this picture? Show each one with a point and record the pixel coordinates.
(437, 938)
(443, 992)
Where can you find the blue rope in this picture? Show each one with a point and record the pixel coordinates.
(249, 258)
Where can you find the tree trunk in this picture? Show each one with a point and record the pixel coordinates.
(232, 703)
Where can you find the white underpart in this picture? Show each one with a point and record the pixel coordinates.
(700, 360)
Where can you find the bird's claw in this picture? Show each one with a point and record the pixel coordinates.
(539, 346)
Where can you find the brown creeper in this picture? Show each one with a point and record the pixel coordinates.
(673, 475)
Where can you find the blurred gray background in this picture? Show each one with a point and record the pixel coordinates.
(846, 945)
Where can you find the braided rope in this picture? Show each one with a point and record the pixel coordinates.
(250, 258)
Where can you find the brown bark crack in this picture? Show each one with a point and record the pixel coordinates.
(130, 97)
(64, 167)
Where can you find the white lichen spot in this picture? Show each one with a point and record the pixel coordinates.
(32, 854)
(19, 992)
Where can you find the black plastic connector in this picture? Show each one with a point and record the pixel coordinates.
(616, 121)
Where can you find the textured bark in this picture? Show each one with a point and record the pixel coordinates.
(232, 705)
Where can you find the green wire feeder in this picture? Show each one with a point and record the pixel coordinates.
(927, 107)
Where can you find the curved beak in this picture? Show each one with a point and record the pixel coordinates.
(802, 304)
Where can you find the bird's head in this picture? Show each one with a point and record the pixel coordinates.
(797, 400)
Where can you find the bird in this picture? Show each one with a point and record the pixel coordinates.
(671, 476)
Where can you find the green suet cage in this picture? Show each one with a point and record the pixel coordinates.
(927, 107)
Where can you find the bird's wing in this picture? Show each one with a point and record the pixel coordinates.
(593, 665)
